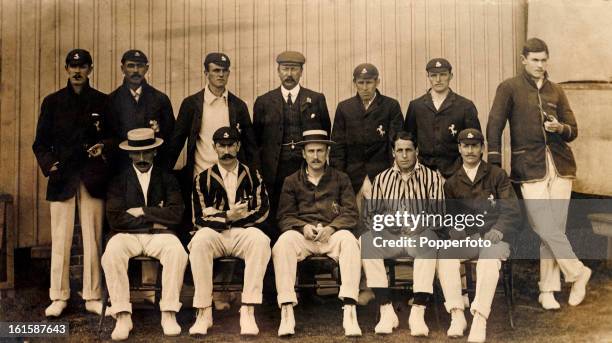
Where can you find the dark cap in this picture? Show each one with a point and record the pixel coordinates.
(290, 57)
(226, 135)
(134, 55)
(217, 58)
(78, 57)
(365, 71)
(437, 65)
(470, 136)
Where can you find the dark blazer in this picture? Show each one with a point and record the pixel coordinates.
(210, 201)
(516, 101)
(68, 125)
(188, 126)
(331, 202)
(268, 123)
(153, 107)
(164, 202)
(436, 130)
(491, 193)
(364, 137)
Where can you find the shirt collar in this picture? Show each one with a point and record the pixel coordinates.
(209, 97)
(137, 91)
(139, 173)
(224, 172)
(294, 92)
(397, 170)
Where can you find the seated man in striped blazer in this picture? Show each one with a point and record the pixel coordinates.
(229, 203)
(412, 188)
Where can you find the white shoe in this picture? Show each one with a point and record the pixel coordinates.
(169, 324)
(478, 331)
(95, 306)
(123, 326)
(416, 321)
(388, 320)
(365, 296)
(203, 322)
(248, 325)
(287, 324)
(548, 301)
(458, 323)
(349, 321)
(579, 287)
(56, 308)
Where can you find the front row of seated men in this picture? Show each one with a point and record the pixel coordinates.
(317, 215)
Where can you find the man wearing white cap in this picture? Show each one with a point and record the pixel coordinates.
(317, 215)
(144, 205)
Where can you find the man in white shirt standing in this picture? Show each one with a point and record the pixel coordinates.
(229, 203)
(144, 208)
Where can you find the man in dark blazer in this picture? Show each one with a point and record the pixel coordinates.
(200, 115)
(479, 189)
(279, 117)
(363, 129)
(144, 206)
(71, 143)
(137, 104)
(437, 117)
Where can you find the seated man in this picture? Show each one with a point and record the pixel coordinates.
(407, 187)
(316, 214)
(477, 188)
(229, 202)
(143, 204)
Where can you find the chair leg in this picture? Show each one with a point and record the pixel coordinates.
(158, 285)
(104, 305)
(508, 292)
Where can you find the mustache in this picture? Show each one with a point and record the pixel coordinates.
(289, 78)
(226, 157)
(143, 163)
(316, 161)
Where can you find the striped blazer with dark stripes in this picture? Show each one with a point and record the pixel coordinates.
(210, 201)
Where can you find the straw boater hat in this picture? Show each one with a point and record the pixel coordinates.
(141, 139)
(315, 136)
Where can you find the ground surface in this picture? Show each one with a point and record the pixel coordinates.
(589, 322)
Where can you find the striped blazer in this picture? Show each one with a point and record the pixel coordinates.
(210, 201)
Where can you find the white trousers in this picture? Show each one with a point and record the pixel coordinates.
(292, 247)
(249, 244)
(547, 202)
(487, 275)
(165, 247)
(91, 215)
(424, 265)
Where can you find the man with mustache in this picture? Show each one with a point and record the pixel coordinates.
(144, 209)
(541, 124)
(279, 117)
(71, 147)
(317, 214)
(437, 117)
(136, 104)
(477, 188)
(229, 204)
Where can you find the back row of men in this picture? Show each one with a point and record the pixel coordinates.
(80, 129)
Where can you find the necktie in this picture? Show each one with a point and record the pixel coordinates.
(289, 101)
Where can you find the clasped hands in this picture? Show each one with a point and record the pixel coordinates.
(318, 233)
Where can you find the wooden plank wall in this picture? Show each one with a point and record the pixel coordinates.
(480, 38)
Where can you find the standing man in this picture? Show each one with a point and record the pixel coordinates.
(280, 116)
(541, 125)
(229, 203)
(144, 208)
(437, 117)
(200, 115)
(136, 104)
(363, 129)
(70, 142)
(477, 188)
(317, 215)
(406, 186)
